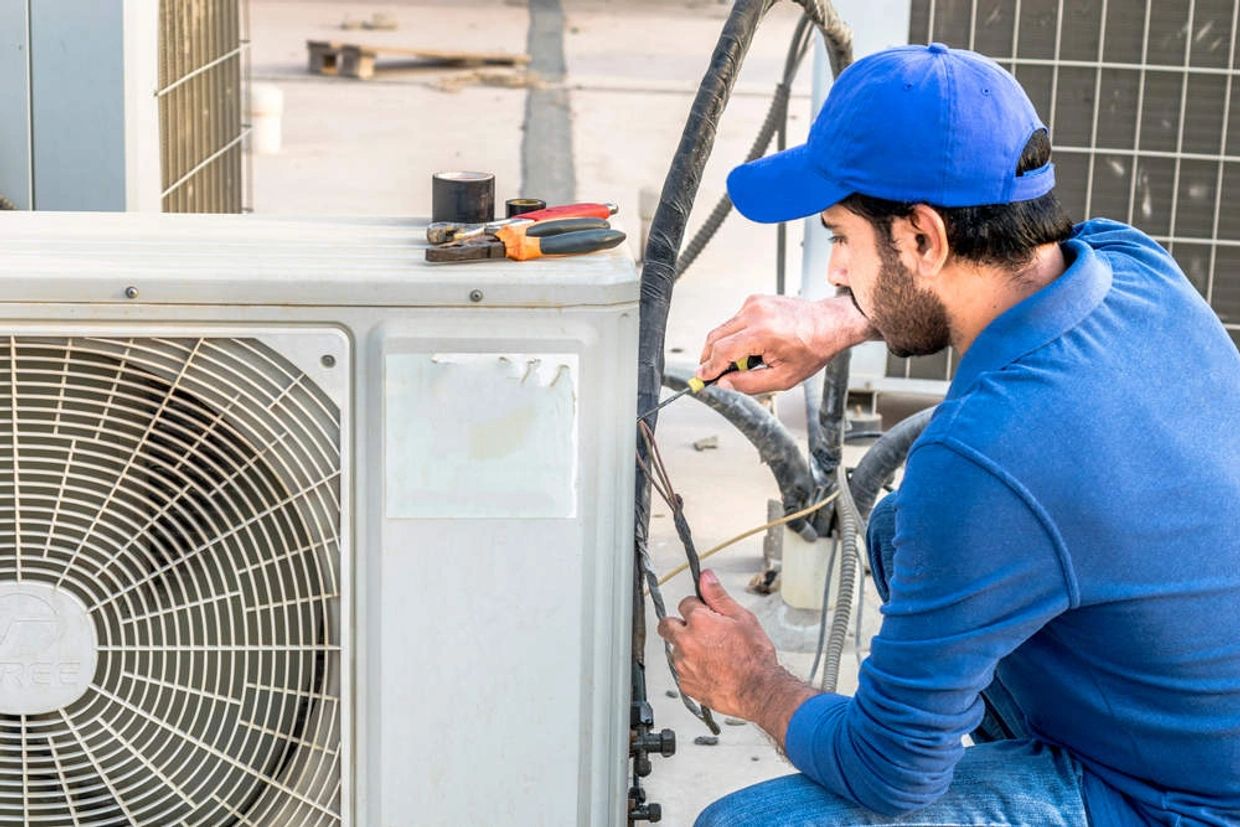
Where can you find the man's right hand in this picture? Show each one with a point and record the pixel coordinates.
(795, 338)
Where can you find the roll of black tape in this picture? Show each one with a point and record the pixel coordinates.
(463, 197)
(517, 206)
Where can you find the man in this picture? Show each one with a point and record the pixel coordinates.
(1061, 565)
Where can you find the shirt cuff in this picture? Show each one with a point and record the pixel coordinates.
(805, 727)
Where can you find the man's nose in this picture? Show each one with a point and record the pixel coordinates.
(837, 274)
(837, 268)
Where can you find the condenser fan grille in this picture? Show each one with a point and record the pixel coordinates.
(169, 585)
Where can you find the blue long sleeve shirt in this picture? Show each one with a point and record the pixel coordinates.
(1071, 518)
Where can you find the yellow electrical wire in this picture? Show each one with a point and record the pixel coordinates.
(809, 509)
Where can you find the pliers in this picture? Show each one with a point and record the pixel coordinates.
(522, 241)
(448, 231)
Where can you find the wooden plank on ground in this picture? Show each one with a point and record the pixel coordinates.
(359, 61)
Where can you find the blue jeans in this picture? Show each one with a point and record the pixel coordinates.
(1007, 778)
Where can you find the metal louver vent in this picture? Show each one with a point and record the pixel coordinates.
(1143, 105)
(203, 48)
(169, 585)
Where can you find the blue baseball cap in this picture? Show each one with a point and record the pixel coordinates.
(924, 124)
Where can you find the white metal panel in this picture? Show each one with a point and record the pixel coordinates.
(93, 113)
(142, 128)
(15, 180)
(77, 104)
(501, 683)
(253, 260)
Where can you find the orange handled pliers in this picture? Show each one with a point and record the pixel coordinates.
(522, 241)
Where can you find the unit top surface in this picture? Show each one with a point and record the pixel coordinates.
(280, 260)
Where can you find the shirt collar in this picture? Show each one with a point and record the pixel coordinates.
(1039, 319)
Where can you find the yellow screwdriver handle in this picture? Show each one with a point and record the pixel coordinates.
(742, 364)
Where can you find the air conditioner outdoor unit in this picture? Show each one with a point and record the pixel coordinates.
(298, 529)
(1143, 106)
(125, 105)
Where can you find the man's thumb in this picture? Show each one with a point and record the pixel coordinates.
(717, 598)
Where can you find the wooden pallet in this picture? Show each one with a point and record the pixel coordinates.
(357, 61)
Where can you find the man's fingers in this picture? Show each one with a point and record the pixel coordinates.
(726, 329)
(725, 352)
(717, 597)
(669, 627)
(689, 605)
(758, 381)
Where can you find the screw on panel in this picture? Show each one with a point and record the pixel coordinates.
(328, 361)
(131, 292)
(475, 295)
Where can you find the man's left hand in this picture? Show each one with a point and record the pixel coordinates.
(726, 661)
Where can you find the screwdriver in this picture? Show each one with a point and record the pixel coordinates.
(696, 384)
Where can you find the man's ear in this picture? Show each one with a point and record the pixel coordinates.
(923, 236)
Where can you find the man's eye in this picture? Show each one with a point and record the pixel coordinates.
(837, 239)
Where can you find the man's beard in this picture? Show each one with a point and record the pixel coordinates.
(913, 321)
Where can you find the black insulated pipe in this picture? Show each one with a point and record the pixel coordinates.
(668, 228)
(775, 122)
(880, 463)
(775, 443)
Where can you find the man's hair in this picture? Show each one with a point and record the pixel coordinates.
(999, 235)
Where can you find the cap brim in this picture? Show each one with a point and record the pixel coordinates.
(782, 187)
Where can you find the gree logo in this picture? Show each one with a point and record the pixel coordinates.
(48, 647)
(28, 624)
(16, 673)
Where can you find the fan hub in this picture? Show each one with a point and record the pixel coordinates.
(48, 648)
